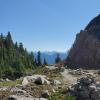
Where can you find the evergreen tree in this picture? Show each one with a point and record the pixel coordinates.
(35, 62)
(8, 40)
(39, 58)
(58, 59)
(32, 57)
(14, 59)
(21, 49)
(45, 62)
(1, 36)
(16, 46)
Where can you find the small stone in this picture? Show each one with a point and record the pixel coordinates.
(56, 82)
(92, 88)
(45, 94)
(7, 80)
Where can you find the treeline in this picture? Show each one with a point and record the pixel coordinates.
(15, 60)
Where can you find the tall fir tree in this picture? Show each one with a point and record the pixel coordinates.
(39, 58)
(9, 41)
(45, 62)
(21, 49)
(35, 62)
(57, 59)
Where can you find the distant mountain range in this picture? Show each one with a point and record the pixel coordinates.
(50, 56)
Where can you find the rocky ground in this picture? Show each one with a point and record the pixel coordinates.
(52, 83)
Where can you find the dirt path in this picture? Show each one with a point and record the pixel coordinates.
(68, 77)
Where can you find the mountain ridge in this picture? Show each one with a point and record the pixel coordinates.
(85, 52)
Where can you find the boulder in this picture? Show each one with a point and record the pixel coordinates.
(38, 79)
(98, 84)
(25, 81)
(41, 80)
(16, 97)
(92, 88)
(18, 91)
(19, 86)
(86, 80)
(12, 97)
(6, 88)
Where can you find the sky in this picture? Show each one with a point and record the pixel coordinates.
(46, 25)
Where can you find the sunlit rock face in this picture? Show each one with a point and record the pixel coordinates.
(85, 52)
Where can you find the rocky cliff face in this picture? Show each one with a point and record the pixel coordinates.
(85, 52)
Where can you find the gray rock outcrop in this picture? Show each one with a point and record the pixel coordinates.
(85, 52)
(86, 89)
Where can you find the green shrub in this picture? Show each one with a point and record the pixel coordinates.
(59, 96)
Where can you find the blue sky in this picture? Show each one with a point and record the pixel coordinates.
(46, 25)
